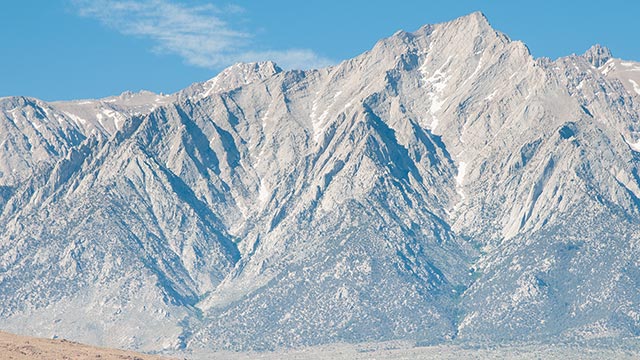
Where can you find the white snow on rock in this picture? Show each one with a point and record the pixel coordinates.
(636, 86)
(635, 146)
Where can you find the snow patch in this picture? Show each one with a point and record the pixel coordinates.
(314, 121)
(319, 123)
(263, 194)
(76, 119)
(437, 82)
(462, 171)
(491, 96)
(212, 87)
(477, 69)
(607, 67)
(636, 87)
(118, 119)
(265, 117)
(434, 124)
(634, 146)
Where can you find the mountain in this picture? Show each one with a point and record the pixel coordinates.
(443, 186)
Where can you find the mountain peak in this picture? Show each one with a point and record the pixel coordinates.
(244, 73)
(234, 76)
(267, 68)
(598, 55)
(476, 18)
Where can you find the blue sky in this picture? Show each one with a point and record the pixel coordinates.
(69, 49)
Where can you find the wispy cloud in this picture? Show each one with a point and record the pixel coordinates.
(198, 33)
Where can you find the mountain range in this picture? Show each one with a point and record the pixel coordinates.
(445, 186)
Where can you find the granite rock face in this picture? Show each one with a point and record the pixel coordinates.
(443, 185)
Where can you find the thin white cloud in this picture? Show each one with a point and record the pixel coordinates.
(197, 33)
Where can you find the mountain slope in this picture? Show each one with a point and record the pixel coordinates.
(442, 186)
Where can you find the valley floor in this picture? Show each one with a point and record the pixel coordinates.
(395, 351)
(17, 347)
